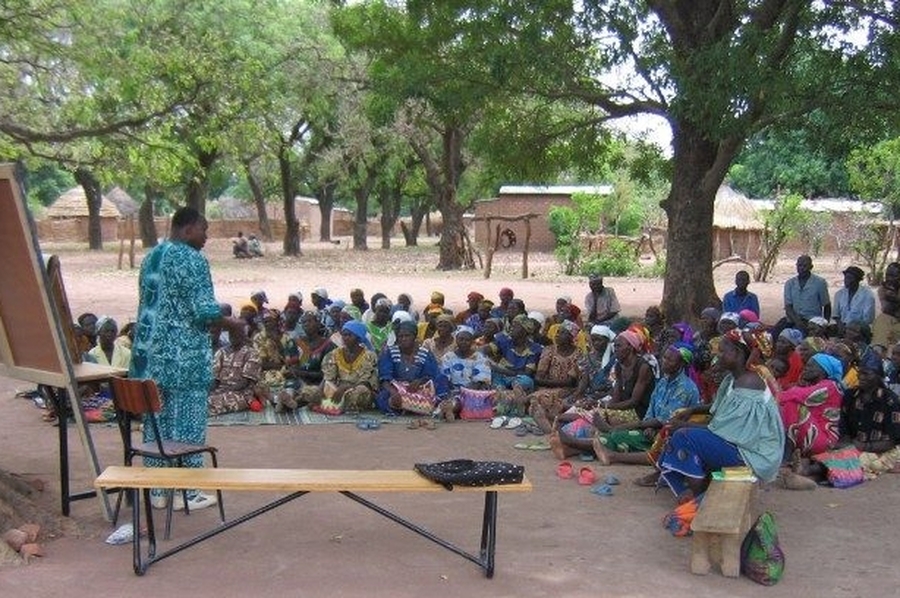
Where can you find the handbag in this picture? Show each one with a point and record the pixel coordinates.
(476, 404)
(420, 401)
(465, 472)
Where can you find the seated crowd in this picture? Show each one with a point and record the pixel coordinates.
(783, 400)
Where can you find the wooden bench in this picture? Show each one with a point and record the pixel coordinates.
(722, 521)
(298, 482)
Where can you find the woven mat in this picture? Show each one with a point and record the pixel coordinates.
(298, 417)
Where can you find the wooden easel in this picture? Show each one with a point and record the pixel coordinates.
(36, 332)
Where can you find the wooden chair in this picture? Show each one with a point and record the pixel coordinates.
(140, 398)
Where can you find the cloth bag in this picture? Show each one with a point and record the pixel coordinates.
(762, 558)
(420, 401)
(843, 465)
(476, 404)
(465, 472)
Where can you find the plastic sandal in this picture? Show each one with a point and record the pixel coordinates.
(586, 476)
(602, 490)
(513, 423)
(498, 422)
(522, 430)
(414, 424)
(564, 470)
(611, 480)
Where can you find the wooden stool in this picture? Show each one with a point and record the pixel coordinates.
(722, 521)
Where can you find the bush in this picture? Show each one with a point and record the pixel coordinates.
(617, 258)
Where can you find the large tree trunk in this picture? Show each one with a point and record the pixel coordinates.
(91, 187)
(147, 225)
(291, 245)
(360, 243)
(417, 215)
(451, 237)
(198, 185)
(698, 172)
(325, 195)
(259, 200)
(390, 200)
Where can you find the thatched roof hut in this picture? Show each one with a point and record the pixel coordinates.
(73, 204)
(737, 225)
(123, 202)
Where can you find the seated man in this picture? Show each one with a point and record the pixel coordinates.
(600, 305)
(239, 246)
(886, 327)
(254, 247)
(739, 298)
(853, 302)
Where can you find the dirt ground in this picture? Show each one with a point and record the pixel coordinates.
(558, 540)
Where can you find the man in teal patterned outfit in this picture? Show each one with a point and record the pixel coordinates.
(172, 343)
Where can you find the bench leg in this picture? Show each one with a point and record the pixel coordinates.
(731, 554)
(700, 545)
(489, 533)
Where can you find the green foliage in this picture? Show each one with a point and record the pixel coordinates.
(875, 173)
(566, 224)
(776, 162)
(785, 221)
(46, 181)
(617, 258)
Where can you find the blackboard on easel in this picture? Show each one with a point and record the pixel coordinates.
(35, 323)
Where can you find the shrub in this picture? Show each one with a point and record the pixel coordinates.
(617, 258)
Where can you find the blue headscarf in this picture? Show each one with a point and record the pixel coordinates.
(832, 366)
(358, 329)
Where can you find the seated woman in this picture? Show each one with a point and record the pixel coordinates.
(303, 360)
(745, 427)
(275, 349)
(409, 375)
(482, 314)
(634, 382)
(442, 342)
(236, 372)
(108, 351)
(811, 411)
(556, 377)
(846, 354)
(489, 331)
(786, 350)
(349, 375)
(870, 419)
(464, 368)
(629, 443)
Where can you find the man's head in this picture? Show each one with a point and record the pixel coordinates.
(189, 226)
(853, 276)
(741, 281)
(595, 281)
(804, 266)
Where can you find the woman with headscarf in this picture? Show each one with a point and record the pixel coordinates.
(441, 342)
(634, 382)
(409, 375)
(380, 326)
(236, 371)
(786, 350)
(745, 427)
(108, 351)
(349, 375)
(465, 369)
(311, 351)
(811, 410)
(556, 377)
(514, 356)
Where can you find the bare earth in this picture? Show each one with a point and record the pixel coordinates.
(560, 540)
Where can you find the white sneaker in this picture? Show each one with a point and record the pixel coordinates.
(159, 501)
(199, 501)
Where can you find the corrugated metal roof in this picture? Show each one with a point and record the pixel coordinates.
(826, 205)
(555, 189)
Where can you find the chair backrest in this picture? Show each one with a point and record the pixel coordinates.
(135, 396)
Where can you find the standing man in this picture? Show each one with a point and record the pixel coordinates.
(601, 304)
(739, 299)
(172, 341)
(854, 303)
(805, 297)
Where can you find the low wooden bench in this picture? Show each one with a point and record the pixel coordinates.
(722, 521)
(298, 482)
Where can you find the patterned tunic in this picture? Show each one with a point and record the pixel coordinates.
(171, 341)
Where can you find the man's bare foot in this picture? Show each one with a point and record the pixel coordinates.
(651, 480)
(556, 446)
(604, 455)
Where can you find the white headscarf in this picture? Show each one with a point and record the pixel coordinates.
(601, 330)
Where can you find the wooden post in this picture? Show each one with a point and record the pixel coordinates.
(525, 249)
(490, 251)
